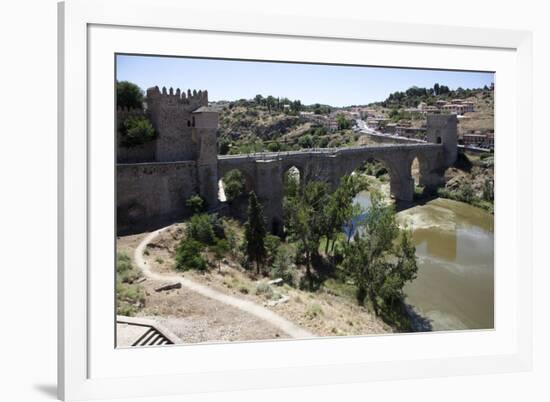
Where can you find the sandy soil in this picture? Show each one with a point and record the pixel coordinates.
(324, 313)
(195, 318)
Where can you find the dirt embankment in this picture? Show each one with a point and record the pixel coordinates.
(192, 317)
(330, 311)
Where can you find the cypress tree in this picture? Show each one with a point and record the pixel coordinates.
(255, 232)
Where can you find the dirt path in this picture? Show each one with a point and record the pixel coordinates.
(261, 312)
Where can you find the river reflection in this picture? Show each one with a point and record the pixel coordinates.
(455, 250)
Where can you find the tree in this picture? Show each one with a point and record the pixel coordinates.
(195, 203)
(136, 130)
(129, 95)
(304, 214)
(306, 141)
(201, 229)
(255, 232)
(340, 209)
(273, 147)
(220, 249)
(272, 245)
(271, 102)
(188, 255)
(283, 266)
(343, 123)
(224, 146)
(233, 184)
(379, 268)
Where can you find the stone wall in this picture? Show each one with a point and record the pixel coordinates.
(171, 115)
(152, 194)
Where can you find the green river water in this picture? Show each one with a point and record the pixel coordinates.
(455, 249)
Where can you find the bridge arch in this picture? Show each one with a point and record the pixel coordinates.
(249, 183)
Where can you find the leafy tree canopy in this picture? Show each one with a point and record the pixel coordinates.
(129, 95)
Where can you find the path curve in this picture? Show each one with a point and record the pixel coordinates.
(247, 306)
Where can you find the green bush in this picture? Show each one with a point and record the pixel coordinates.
(283, 266)
(201, 228)
(273, 147)
(233, 184)
(306, 141)
(272, 244)
(125, 270)
(136, 130)
(188, 255)
(196, 204)
(264, 289)
(314, 311)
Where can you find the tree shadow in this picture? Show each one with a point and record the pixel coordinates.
(418, 322)
(404, 318)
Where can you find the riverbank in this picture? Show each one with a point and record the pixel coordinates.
(471, 180)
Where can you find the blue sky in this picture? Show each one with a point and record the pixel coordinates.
(311, 83)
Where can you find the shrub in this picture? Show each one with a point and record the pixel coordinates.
(233, 184)
(196, 204)
(272, 244)
(136, 130)
(283, 266)
(224, 146)
(201, 229)
(125, 270)
(466, 193)
(188, 255)
(130, 298)
(314, 311)
(273, 147)
(264, 289)
(306, 141)
(322, 142)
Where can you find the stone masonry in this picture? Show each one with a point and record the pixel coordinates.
(154, 181)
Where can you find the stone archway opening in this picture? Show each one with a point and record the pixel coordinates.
(292, 180)
(416, 174)
(233, 189)
(376, 174)
(234, 184)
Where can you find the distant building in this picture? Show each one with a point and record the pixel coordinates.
(329, 122)
(479, 140)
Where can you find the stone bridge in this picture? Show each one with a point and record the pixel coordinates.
(264, 172)
(154, 180)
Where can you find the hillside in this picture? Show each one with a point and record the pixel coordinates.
(402, 107)
(255, 126)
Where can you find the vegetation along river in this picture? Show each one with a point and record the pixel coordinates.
(454, 242)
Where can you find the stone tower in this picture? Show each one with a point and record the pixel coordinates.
(442, 129)
(204, 123)
(171, 115)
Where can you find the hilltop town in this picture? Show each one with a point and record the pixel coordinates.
(278, 124)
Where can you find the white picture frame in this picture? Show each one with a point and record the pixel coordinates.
(90, 367)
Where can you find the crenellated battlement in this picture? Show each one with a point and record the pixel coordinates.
(189, 100)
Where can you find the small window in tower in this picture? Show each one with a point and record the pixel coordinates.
(439, 140)
(193, 121)
(188, 123)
